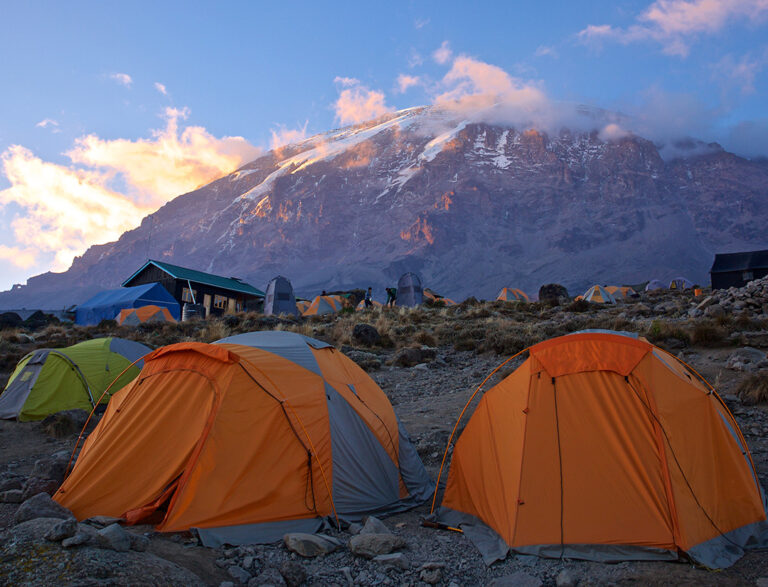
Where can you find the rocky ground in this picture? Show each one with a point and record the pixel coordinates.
(429, 362)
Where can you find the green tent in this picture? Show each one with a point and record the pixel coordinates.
(47, 381)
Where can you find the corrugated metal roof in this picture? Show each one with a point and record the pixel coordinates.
(193, 275)
(726, 262)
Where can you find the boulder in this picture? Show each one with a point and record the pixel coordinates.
(65, 424)
(63, 529)
(293, 572)
(8, 482)
(35, 485)
(372, 545)
(745, 359)
(410, 356)
(116, 538)
(374, 526)
(366, 361)
(102, 521)
(41, 506)
(84, 535)
(395, 560)
(310, 545)
(53, 467)
(11, 496)
(553, 293)
(34, 531)
(239, 574)
(270, 577)
(431, 572)
(714, 311)
(366, 334)
(139, 543)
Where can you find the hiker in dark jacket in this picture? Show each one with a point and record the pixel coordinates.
(369, 298)
(391, 296)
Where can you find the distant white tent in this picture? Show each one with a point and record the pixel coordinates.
(409, 290)
(279, 298)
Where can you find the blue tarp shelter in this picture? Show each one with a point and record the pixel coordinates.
(107, 304)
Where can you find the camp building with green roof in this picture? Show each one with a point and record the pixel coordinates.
(219, 295)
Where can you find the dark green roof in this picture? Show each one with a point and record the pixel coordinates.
(200, 277)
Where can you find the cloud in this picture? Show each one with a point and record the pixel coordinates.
(122, 78)
(49, 122)
(357, 103)
(612, 132)
(748, 138)
(346, 81)
(415, 59)
(546, 51)
(675, 24)
(283, 136)
(420, 23)
(64, 210)
(161, 88)
(110, 187)
(486, 91)
(405, 81)
(739, 72)
(443, 54)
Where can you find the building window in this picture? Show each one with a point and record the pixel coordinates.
(220, 302)
(748, 275)
(188, 296)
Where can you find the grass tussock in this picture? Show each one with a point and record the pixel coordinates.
(214, 330)
(707, 333)
(754, 389)
(661, 330)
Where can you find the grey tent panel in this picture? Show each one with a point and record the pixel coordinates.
(279, 298)
(129, 349)
(409, 290)
(16, 394)
(263, 533)
(412, 471)
(365, 479)
(724, 550)
(289, 345)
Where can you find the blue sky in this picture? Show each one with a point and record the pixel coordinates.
(134, 77)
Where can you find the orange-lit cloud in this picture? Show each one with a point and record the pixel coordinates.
(49, 123)
(65, 209)
(161, 88)
(122, 78)
(171, 163)
(357, 103)
(283, 136)
(405, 81)
(674, 24)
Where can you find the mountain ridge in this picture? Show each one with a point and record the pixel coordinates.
(469, 205)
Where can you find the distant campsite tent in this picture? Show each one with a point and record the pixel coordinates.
(279, 298)
(302, 306)
(324, 305)
(409, 290)
(106, 305)
(508, 294)
(433, 297)
(602, 447)
(597, 294)
(136, 316)
(295, 434)
(655, 285)
(361, 306)
(681, 283)
(47, 381)
(621, 291)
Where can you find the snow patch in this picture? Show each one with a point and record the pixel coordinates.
(436, 145)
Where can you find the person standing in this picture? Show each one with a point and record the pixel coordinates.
(391, 296)
(369, 298)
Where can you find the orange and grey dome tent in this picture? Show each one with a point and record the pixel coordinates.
(508, 294)
(621, 291)
(597, 294)
(136, 316)
(361, 306)
(324, 305)
(602, 447)
(302, 305)
(244, 440)
(433, 297)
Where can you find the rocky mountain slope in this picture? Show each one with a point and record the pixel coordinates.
(470, 206)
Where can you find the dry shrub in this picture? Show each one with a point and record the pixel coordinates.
(660, 330)
(213, 331)
(707, 333)
(754, 389)
(425, 337)
(11, 335)
(578, 306)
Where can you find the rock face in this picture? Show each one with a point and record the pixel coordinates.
(471, 207)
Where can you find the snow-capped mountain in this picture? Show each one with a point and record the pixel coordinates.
(470, 206)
